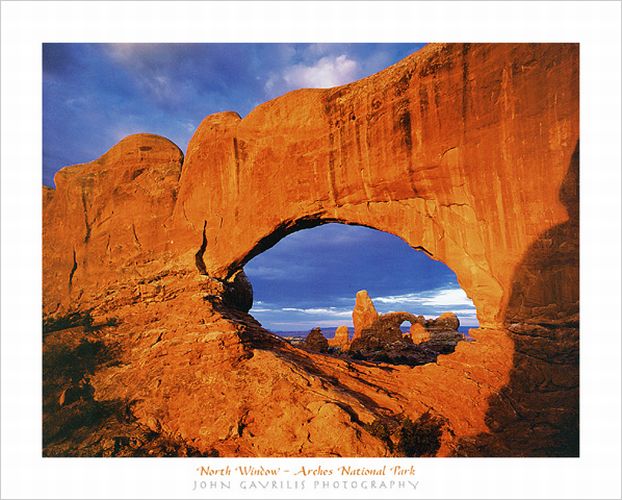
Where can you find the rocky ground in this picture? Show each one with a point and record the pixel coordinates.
(184, 376)
(75, 423)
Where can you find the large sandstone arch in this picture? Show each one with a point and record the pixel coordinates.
(461, 150)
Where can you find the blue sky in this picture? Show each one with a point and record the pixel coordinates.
(310, 278)
(96, 94)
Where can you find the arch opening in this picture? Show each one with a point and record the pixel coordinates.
(308, 277)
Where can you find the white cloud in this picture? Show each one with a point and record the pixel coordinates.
(267, 272)
(434, 298)
(160, 86)
(325, 311)
(328, 71)
(429, 304)
(306, 325)
(125, 52)
(139, 59)
(465, 312)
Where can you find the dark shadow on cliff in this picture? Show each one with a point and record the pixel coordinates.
(537, 412)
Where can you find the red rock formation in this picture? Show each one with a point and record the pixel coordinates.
(446, 321)
(364, 314)
(315, 341)
(106, 222)
(341, 339)
(419, 333)
(467, 152)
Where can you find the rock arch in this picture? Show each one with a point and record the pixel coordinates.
(459, 149)
(448, 149)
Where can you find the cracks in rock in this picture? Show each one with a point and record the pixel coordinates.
(73, 268)
(465, 85)
(136, 236)
(423, 250)
(332, 185)
(157, 340)
(449, 205)
(447, 151)
(183, 211)
(136, 240)
(237, 165)
(242, 424)
(200, 263)
(87, 224)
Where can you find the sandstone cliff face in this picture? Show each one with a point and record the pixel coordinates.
(105, 224)
(467, 152)
(447, 149)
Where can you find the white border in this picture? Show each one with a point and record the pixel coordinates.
(596, 25)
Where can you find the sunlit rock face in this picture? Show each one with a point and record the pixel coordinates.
(364, 314)
(467, 152)
(341, 339)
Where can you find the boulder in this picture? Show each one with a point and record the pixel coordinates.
(341, 338)
(382, 333)
(315, 341)
(419, 333)
(446, 321)
(238, 292)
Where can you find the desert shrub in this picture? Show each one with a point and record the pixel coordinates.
(74, 319)
(71, 320)
(378, 429)
(421, 438)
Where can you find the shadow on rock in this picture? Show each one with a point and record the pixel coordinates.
(537, 412)
(74, 422)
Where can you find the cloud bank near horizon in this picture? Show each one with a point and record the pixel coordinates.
(435, 302)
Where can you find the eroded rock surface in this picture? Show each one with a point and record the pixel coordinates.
(419, 333)
(446, 321)
(467, 152)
